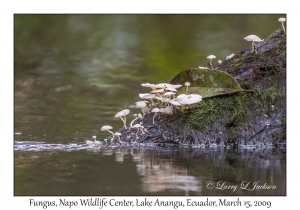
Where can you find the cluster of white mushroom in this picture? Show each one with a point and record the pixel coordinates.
(161, 98)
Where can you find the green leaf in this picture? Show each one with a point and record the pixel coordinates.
(206, 82)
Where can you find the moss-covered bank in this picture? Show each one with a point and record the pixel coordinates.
(243, 118)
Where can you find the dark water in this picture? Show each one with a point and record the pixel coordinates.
(73, 73)
(149, 171)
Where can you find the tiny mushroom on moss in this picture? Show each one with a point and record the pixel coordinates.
(282, 20)
(253, 39)
(210, 57)
(187, 84)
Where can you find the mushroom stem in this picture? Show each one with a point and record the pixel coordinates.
(212, 67)
(132, 122)
(283, 27)
(124, 121)
(187, 90)
(112, 134)
(120, 140)
(136, 134)
(154, 117)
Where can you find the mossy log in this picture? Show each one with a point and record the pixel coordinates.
(243, 118)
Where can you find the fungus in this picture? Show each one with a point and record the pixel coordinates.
(118, 135)
(184, 99)
(282, 20)
(253, 39)
(97, 143)
(141, 105)
(169, 110)
(219, 62)
(201, 67)
(137, 126)
(89, 142)
(155, 110)
(230, 56)
(105, 141)
(148, 96)
(107, 128)
(187, 84)
(210, 57)
(137, 116)
(121, 114)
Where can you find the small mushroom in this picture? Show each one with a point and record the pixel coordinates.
(118, 135)
(187, 84)
(107, 128)
(89, 142)
(210, 57)
(282, 20)
(219, 62)
(105, 141)
(184, 99)
(253, 39)
(137, 126)
(155, 110)
(137, 116)
(141, 105)
(96, 143)
(121, 114)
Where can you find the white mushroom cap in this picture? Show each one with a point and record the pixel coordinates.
(168, 109)
(219, 62)
(230, 56)
(174, 86)
(281, 20)
(94, 137)
(122, 113)
(146, 95)
(147, 85)
(253, 38)
(106, 127)
(155, 110)
(175, 102)
(189, 99)
(136, 125)
(140, 104)
(211, 57)
(118, 134)
(187, 84)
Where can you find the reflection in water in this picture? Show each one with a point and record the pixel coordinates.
(151, 171)
(161, 174)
